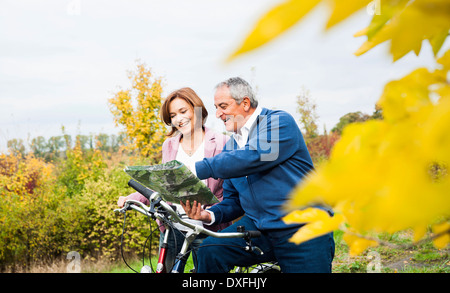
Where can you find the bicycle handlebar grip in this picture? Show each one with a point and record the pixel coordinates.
(140, 188)
(253, 234)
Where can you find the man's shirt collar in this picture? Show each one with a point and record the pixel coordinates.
(242, 135)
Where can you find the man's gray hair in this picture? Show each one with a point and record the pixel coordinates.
(239, 89)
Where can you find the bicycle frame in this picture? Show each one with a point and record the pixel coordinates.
(162, 255)
(181, 259)
(159, 209)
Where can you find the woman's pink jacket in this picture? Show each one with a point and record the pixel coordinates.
(214, 143)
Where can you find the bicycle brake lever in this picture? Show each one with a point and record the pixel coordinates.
(124, 209)
(254, 249)
(258, 249)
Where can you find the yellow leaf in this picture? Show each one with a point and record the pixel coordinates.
(406, 24)
(409, 30)
(274, 23)
(406, 96)
(357, 244)
(419, 232)
(383, 15)
(362, 32)
(443, 240)
(437, 41)
(445, 60)
(343, 9)
(436, 133)
(305, 216)
(383, 35)
(317, 228)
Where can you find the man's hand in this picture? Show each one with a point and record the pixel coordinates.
(196, 212)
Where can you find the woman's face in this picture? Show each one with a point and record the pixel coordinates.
(182, 115)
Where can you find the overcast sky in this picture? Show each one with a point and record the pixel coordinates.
(61, 60)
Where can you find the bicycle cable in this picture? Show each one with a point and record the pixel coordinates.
(121, 243)
(150, 248)
(173, 230)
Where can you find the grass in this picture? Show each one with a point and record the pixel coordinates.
(137, 264)
(423, 258)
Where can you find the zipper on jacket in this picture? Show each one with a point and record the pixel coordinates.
(251, 188)
(255, 201)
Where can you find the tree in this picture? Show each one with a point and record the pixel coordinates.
(137, 111)
(102, 142)
(39, 147)
(378, 176)
(54, 145)
(378, 113)
(85, 141)
(16, 146)
(308, 115)
(349, 118)
(117, 142)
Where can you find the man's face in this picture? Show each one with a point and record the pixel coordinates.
(232, 114)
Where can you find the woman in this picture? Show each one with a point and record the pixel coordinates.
(185, 113)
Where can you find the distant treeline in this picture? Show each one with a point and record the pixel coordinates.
(56, 146)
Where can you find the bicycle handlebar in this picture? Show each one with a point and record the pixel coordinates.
(140, 188)
(156, 202)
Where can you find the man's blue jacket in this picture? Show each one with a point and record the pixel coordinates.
(260, 177)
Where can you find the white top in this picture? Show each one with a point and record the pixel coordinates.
(189, 161)
(241, 136)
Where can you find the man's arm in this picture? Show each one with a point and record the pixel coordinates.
(278, 138)
(229, 208)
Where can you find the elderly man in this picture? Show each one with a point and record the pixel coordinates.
(263, 161)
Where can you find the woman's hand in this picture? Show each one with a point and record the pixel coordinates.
(196, 212)
(121, 201)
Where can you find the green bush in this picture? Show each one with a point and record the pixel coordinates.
(102, 228)
(50, 209)
(36, 228)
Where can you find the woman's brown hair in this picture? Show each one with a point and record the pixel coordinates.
(191, 97)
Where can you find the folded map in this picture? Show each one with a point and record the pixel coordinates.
(173, 181)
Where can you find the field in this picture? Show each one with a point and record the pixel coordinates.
(424, 258)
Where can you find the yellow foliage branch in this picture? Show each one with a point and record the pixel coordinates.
(381, 175)
(405, 23)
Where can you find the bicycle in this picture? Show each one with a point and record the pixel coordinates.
(167, 215)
